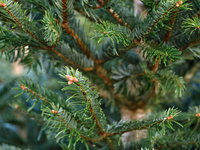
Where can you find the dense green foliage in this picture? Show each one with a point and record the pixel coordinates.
(100, 75)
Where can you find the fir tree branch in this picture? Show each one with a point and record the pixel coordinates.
(72, 33)
(137, 128)
(160, 14)
(101, 2)
(78, 40)
(64, 11)
(45, 46)
(67, 60)
(115, 16)
(106, 2)
(51, 48)
(21, 25)
(154, 67)
(172, 21)
(91, 110)
(155, 23)
(109, 142)
(24, 88)
(190, 44)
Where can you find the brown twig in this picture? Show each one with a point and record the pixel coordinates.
(30, 91)
(114, 14)
(154, 67)
(64, 12)
(172, 21)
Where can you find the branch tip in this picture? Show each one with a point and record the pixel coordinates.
(197, 115)
(170, 117)
(2, 4)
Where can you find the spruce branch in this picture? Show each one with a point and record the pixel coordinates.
(78, 40)
(52, 29)
(64, 11)
(45, 47)
(160, 52)
(114, 32)
(164, 8)
(11, 8)
(101, 2)
(48, 95)
(127, 126)
(154, 67)
(172, 21)
(191, 24)
(190, 44)
(86, 93)
(114, 14)
(65, 25)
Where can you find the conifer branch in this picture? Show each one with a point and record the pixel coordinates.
(106, 2)
(51, 48)
(63, 57)
(127, 126)
(115, 16)
(154, 67)
(138, 128)
(71, 32)
(71, 128)
(101, 2)
(26, 30)
(78, 40)
(67, 60)
(155, 23)
(24, 88)
(110, 144)
(165, 12)
(91, 109)
(87, 52)
(64, 11)
(172, 21)
(191, 44)
(45, 46)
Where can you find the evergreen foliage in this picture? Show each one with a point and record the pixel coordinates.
(106, 68)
